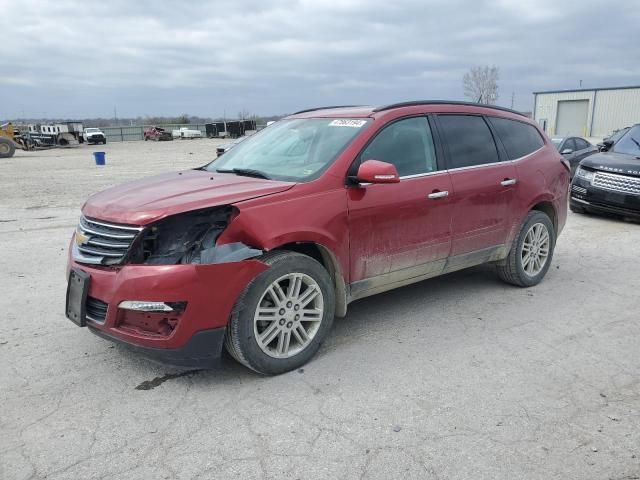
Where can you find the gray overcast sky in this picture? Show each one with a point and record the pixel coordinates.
(81, 58)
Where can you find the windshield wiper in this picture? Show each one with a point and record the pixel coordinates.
(635, 141)
(246, 172)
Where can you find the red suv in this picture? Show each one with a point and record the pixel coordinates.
(260, 249)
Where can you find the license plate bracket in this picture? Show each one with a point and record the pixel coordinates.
(77, 290)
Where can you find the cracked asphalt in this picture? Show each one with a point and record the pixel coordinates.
(453, 378)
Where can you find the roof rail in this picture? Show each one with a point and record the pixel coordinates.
(325, 108)
(443, 102)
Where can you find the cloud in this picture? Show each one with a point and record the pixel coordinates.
(72, 58)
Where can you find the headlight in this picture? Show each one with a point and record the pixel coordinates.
(181, 238)
(585, 174)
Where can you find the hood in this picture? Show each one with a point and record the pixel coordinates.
(144, 201)
(614, 163)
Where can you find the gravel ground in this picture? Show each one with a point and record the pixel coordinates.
(453, 378)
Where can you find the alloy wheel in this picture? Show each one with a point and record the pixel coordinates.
(288, 315)
(535, 249)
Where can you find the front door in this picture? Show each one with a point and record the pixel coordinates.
(400, 231)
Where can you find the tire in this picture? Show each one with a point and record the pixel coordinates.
(7, 148)
(512, 270)
(104, 142)
(146, 138)
(244, 329)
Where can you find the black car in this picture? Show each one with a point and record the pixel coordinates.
(609, 182)
(574, 149)
(608, 142)
(225, 147)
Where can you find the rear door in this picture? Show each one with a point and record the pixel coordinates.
(400, 230)
(483, 183)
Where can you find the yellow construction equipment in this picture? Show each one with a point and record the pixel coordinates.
(10, 139)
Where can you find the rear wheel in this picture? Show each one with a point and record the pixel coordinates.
(7, 148)
(283, 315)
(531, 252)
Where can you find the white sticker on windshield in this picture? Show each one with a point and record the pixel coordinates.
(347, 123)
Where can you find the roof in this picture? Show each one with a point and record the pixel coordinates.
(361, 111)
(443, 102)
(571, 90)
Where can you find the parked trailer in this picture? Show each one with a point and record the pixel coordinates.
(231, 128)
(186, 132)
(55, 135)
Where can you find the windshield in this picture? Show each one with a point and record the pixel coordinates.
(557, 142)
(615, 136)
(629, 143)
(291, 150)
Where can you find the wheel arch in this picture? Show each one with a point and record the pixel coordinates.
(547, 208)
(328, 260)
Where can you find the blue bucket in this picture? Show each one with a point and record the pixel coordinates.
(100, 159)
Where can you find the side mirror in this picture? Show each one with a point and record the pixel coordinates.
(606, 145)
(566, 151)
(375, 171)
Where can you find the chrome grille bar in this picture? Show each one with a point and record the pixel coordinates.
(617, 183)
(100, 242)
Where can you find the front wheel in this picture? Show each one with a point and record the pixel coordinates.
(283, 315)
(7, 148)
(531, 252)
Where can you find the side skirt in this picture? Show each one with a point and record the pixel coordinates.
(407, 276)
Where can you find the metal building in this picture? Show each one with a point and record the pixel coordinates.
(594, 112)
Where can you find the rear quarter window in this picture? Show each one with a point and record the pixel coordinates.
(519, 139)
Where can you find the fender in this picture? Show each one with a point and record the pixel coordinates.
(250, 229)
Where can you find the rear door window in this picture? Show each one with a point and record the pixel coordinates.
(468, 140)
(519, 139)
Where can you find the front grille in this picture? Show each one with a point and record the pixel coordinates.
(103, 243)
(96, 310)
(580, 190)
(617, 183)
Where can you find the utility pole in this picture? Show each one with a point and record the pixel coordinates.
(513, 96)
(115, 116)
(224, 120)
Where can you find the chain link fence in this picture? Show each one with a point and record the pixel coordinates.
(132, 133)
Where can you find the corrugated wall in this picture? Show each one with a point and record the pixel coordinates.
(546, 108)
(615, 109)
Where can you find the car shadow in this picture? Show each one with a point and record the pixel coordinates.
(368, 317)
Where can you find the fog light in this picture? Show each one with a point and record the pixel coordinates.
(142, 306)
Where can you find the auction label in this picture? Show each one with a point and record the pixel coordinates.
(347, 123)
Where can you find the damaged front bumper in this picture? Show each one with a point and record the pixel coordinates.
(189, 336)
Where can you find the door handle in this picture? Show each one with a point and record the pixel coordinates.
(435, 195)
(508, 181)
